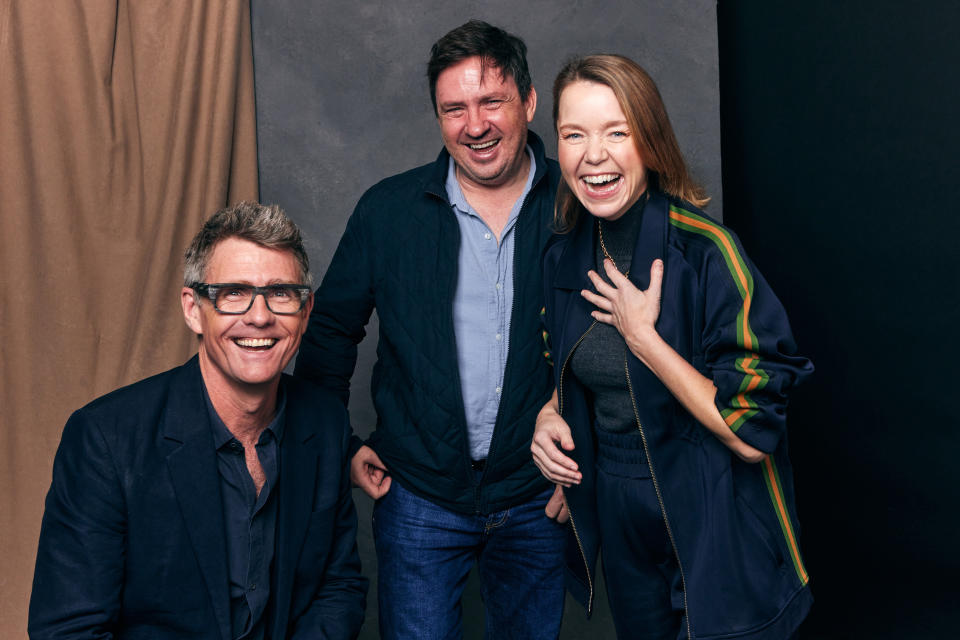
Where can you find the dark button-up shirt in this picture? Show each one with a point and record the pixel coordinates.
(250, 520)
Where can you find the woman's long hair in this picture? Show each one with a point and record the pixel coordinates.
(649, 128)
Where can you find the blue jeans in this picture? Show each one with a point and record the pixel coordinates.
(425, 554)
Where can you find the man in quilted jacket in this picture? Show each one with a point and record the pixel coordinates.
(449, 256)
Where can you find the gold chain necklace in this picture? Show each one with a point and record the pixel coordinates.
(603, 247)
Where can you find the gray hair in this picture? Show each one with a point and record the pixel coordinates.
(265, 225)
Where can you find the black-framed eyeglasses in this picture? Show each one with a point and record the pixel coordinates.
(236, 299)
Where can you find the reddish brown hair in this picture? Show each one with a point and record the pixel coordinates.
(649, 125)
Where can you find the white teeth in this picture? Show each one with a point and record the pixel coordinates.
(606, 177)
(483, 145)
(255, 342)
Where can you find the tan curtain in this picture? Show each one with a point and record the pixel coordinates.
(123, 124)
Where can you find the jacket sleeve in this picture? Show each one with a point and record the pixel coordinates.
(748, 347)
(337, 610)
(341, 309)
(77, 584)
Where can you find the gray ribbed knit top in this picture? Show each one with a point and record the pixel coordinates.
(599, 362)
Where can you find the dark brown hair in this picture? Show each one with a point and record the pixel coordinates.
(492, 45)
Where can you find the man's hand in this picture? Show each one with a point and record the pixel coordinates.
(556, 508)
(550, 431)
(369, 473)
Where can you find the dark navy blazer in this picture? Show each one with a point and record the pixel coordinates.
(132, 542)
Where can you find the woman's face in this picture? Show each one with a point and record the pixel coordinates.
(598, 157)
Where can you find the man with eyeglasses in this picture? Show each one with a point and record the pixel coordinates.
(212, 500)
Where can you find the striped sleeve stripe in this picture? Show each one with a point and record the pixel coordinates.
(754, 377)
(772, 478)
(743, 407)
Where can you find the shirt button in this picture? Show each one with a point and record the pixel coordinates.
(486, 236)
(498, 389)
(499, 337)
(253, 587)
(499, 286)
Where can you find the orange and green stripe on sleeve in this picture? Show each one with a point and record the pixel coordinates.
(742, 406)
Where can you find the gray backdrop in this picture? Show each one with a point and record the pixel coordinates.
(342, 102)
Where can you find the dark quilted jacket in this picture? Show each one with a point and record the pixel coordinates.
(399, 255)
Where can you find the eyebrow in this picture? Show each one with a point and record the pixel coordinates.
(493, 95)
(605, 125)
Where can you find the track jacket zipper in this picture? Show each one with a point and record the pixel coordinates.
(573, 523)
(656, 486)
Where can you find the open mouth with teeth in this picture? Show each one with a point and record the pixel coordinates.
(602, 183)
(255, 344)
(484, 146)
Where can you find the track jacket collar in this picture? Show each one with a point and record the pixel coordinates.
(651, 244)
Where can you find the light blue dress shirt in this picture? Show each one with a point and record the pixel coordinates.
(482, 307)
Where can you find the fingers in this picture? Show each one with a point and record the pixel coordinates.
(656, 279)
(369, 456)
(556, 508)
(369, 473)
(374, 481)
(553, 464)
(601, 285)
(617, 278)
(380, 490)
(565, 440)
(597, 301)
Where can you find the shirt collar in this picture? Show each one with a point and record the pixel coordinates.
(455, 192)
(222, 435)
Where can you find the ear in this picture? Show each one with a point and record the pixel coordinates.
(531, 104)
(191, 310)
(307, 308)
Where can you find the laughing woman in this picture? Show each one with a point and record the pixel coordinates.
(673, 363)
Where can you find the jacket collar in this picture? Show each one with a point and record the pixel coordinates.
(193, 470)
(436, 182)
(578, 255)
(185, 426)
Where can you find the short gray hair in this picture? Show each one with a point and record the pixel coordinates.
(265, 225)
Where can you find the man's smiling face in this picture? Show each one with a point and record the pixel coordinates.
(483, 121)
(246, 351)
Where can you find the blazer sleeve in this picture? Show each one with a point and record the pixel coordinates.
(338, 607)
(341, 309)
(748, 347)
(77, 584)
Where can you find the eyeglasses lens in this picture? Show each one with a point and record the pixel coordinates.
(280, 299)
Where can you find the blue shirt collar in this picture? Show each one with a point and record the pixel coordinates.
(455, 192)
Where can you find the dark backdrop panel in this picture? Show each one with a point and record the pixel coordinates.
(342, 102)
(840, 137)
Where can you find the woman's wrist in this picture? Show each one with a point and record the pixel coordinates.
(644, 344)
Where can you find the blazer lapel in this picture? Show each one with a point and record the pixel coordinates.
(298, 476)
(193, 471)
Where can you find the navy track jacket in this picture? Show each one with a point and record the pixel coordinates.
(733, 525)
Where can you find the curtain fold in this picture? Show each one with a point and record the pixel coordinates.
(123, 125)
